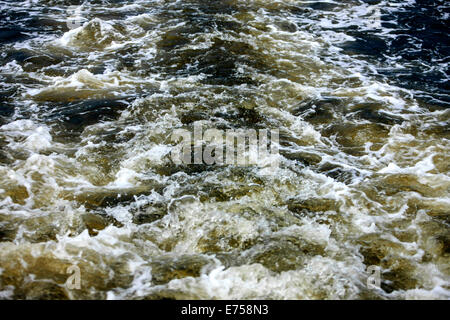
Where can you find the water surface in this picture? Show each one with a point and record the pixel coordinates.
(358, 89)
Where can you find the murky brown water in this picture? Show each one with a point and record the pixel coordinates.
(86, 176)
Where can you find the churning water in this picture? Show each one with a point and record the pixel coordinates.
(359, 91)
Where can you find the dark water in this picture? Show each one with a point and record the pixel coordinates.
(358, 89)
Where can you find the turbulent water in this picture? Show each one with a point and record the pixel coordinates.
(358, 89)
